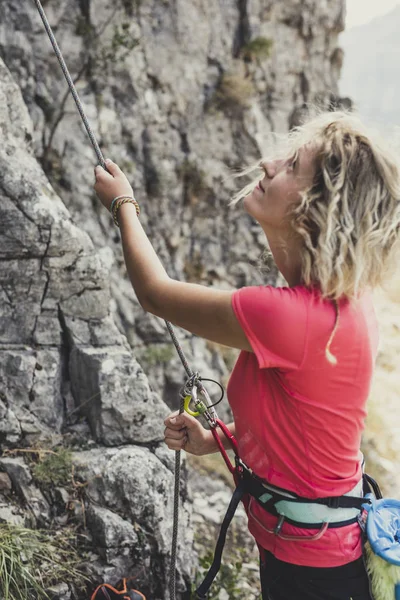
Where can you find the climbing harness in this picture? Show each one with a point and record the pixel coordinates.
(288, 507)
(380, 518)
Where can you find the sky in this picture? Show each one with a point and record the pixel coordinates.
(362, 11)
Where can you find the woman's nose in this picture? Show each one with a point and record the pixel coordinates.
(271, 168)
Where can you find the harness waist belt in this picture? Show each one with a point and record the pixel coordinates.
(310, 512)
(340, 510)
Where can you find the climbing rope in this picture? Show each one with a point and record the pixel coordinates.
(71, 84)
(189, 372)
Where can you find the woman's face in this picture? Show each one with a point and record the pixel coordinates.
(280, 187)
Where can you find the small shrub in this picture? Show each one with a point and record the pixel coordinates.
(213, 466)
(120, 46)
(32, 561)
(260, 48)
(228, 578)
(234, 92)
(54, 467)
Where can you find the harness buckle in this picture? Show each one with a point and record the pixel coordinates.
(279, 525)
(241, 467)
(334, 502)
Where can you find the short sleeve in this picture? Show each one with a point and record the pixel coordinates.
(275, 321)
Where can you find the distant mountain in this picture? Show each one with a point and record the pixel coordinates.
(371, 70)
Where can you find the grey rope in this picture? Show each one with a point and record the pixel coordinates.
(175, 522)
(70, 84)
(99, 154)
(178, 347)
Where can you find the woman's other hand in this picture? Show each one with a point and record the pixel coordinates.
(184, 432)
(111, 184)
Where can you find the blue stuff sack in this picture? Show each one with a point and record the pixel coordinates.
(383, 547)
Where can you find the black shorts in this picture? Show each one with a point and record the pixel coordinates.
(284, 581)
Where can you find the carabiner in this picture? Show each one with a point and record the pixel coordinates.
(186, 406)
(199, 404)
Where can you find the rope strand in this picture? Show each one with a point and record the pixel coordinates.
(71, 84)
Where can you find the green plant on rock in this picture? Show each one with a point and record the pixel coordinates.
(54, 467)
(120, 46)
(228, 578)
(258, 48)
(155, 354)
(31, 561)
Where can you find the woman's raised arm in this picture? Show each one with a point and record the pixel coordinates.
(204, 311)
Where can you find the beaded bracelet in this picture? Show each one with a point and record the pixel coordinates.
(119, 202)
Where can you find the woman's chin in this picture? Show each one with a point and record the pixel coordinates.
(247, 203)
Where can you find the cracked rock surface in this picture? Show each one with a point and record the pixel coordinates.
(62, 360)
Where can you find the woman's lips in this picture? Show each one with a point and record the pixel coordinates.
(260, 187)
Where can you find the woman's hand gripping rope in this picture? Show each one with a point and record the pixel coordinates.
(111, 184)
(184, 432)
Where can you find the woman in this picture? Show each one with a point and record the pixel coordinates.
(330, 210)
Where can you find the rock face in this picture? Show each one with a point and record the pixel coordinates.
(178, 93)
(62, 358)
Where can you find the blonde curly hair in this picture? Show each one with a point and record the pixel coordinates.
(349, 219)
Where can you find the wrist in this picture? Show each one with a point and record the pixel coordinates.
(126, 209)
(210, 445)
(118, 207)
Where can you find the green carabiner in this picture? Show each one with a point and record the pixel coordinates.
(186, 406)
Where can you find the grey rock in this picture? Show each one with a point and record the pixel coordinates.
(5, 483)
(10, 429)
(19, 473)
(21, 478)
(59, 347)
(115, 395)
(115, 539)
(59, 592)
(134, 491)
(12, 514)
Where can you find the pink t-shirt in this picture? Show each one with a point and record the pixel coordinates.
(299, 419)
